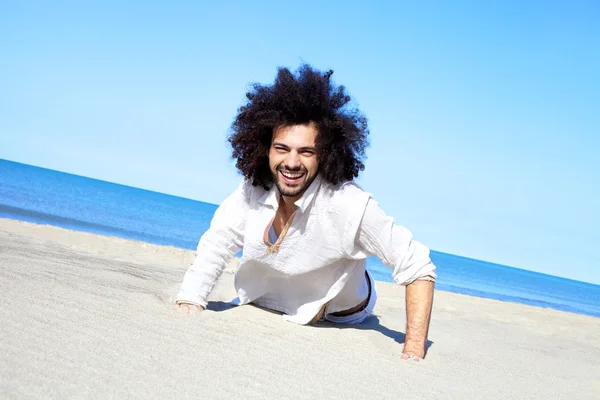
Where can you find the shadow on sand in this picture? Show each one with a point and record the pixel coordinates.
(370, 323)
(219, 306)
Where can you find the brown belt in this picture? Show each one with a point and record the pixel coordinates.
(359, 307)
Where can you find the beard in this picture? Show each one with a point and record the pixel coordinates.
(288, 190)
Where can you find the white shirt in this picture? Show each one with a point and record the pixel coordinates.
(320, 259)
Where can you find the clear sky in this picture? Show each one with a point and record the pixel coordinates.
(484, 115)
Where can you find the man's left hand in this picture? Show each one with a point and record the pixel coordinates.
(415, 353)
(409, 355)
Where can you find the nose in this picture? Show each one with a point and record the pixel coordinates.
(292, 161)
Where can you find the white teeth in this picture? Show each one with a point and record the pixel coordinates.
(291, 176)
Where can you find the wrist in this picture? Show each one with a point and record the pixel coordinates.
(414, 343)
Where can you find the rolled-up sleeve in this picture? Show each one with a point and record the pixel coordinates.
(217, 246)
(379, 236)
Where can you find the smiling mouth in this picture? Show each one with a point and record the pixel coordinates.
(291, 177)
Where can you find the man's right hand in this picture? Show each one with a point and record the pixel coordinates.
(188, 308)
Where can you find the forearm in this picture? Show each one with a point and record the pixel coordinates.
(419, 301)
(201, 277)
(198, 283)
(217, 246)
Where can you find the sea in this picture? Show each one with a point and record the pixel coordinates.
(45, 196)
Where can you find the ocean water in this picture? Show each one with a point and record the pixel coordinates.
(45, 196)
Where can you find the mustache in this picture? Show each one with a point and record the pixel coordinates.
(288, 169)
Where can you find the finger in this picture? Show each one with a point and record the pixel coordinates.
(410, 356)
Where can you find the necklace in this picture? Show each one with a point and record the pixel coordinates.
(274, 248)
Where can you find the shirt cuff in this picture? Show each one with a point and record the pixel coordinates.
(431, 277)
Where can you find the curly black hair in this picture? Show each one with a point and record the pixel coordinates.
(309, 96)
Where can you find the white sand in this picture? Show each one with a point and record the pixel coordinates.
(86, 316)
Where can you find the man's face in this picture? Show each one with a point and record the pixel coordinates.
(293, 159)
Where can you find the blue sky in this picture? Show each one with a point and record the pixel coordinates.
(485, 129)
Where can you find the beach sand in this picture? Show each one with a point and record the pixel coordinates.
(90, 317)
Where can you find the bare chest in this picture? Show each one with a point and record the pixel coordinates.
(281, 219)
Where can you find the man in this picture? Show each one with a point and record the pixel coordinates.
(305, 227)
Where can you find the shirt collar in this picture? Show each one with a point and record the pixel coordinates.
(271, 197)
